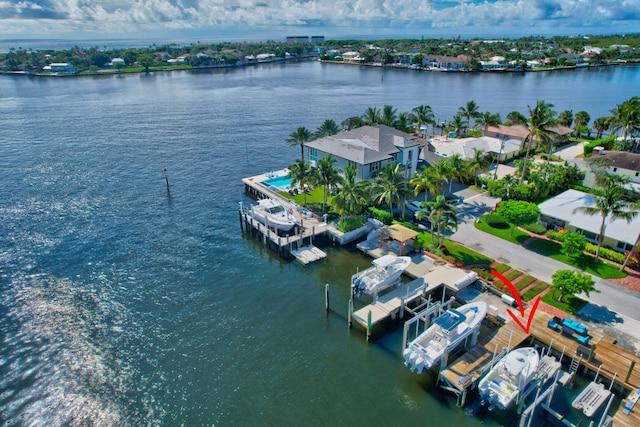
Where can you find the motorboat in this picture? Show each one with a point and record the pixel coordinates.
(271, 213)
(509, 377)
(383, 273)
(447, 332)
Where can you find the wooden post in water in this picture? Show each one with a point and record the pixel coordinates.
(633, 365)
(369, 325)
(326, 297)
(165, 173)
(401, 308)
(350, 311)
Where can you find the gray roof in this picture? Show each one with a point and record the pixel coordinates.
(366, 144)
(563, 205)
(618, 159)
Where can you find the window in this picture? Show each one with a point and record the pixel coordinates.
(374, 166)
(615, 169)
(637, 173)
(313, 154)
(352, 163)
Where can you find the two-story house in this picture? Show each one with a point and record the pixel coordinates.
(369, 148)
(614, 162)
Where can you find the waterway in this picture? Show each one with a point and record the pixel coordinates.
(123, 305)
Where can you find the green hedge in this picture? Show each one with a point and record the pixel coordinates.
(495, 221)
(531, 293)
(607, 143)
(535, 228)
(349, 223)
(555, 235)
(383, 216)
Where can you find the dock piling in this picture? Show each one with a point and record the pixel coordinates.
(369, 325)
(326, 297)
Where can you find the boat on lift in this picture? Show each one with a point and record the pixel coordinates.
(383, 273)
(272, 213)
(447, 332)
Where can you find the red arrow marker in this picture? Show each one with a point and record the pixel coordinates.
(518, 298)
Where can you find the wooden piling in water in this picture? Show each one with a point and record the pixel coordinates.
(326, 297)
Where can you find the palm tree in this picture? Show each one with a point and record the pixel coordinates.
(487, 119)
(516, 118)
(581, 120)
(354, 195)
(478, 163)
(442, 216)
(300, 173)
(456, 125)
(299, 137)
(326, 175)
(601, 124)
(426, 179)
(444, 171)
(389, 186)
(371, 116)
(626, 117)
(565, 118)
(389, 116)
(538, 129)
(327, 128)
(611, 204)
(458, 169)
(422, 114)
(403, 122)
(470, 111)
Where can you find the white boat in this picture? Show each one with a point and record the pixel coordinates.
(271, 213)
(447, 332)
(384, 272)
(509, 377)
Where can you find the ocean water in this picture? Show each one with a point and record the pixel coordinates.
(122, 304)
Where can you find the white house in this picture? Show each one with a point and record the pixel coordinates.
(558, 212)
(369, 148)
(59, 67)
(616, 163)
(504, 149)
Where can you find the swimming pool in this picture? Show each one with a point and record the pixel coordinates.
(282, 183)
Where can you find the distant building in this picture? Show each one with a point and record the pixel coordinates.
(59, 67)
(317, 39)
(298, 39)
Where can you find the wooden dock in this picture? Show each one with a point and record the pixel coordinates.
(309, 226)
(610, 361)
(391, 304)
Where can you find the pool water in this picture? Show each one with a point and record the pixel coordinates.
(283, 183)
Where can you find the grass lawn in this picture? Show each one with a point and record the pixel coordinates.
(571, 304)
(518, 236)
(585, 262)
(501, 268)
(524, 282)
(531, 293)
(464, 255)
(513, 275)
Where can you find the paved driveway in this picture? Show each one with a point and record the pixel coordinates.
(615, 308)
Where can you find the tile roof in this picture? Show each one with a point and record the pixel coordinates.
(618, 159)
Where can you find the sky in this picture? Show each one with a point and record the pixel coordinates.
(254, 20)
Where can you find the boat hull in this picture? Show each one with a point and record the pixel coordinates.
(447, 332)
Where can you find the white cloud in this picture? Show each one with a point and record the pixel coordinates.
(113, 17)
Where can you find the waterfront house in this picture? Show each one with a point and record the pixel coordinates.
(59, 67)
(352, 56)
(445, 63)
(558, 213)
(369, 148)
(615, 163)
(520, 132)
(503, 149)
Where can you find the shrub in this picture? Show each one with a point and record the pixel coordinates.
(535, 228)
(350, 223)
(383, 216)
(606, 253)
(496, 221)
(556, 235)
(484, 274)
(607, 143)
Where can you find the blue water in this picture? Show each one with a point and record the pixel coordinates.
(123, 304)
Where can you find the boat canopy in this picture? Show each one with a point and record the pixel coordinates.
(450, 320)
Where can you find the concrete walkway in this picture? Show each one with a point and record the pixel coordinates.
(615, 309)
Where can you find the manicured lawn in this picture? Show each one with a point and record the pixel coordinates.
(571, 305)
(524, 282)
(585, 262)
(531, 293)
(512, 275)
(518, 236)
(464, 255)
(501, 268)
